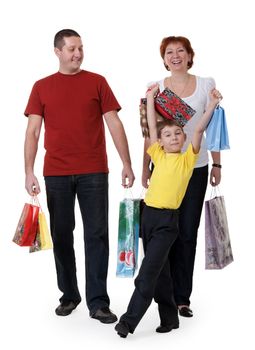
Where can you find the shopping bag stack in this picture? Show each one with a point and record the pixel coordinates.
(128, 237)
(32, 229)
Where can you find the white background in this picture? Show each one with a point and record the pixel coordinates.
(121, 41)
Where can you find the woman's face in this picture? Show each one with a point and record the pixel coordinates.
(176, 57)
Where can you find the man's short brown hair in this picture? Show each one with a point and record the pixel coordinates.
(59, 41)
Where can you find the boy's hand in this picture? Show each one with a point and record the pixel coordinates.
(152, 90)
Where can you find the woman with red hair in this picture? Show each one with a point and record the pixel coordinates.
(177, 55)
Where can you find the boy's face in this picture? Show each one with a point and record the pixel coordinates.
(172, 139)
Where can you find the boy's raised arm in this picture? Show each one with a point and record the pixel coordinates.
(151, 113)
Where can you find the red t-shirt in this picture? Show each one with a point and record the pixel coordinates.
(72, 107)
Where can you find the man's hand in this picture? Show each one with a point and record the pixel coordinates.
(32, 185)
(128, 176)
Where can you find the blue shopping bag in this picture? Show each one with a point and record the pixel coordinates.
(217, 132)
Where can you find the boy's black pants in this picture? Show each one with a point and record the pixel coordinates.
(159, 231)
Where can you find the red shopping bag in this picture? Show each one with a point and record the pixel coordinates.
(26, 230)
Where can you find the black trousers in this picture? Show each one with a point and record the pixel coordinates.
(159, 231)
(182, 257)
(92, 193)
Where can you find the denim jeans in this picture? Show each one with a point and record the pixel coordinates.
(92, 194)
(182, 257)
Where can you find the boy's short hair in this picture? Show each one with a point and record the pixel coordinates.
(59, 41)
(166, 122)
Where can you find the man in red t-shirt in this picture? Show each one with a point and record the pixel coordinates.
(72, 104)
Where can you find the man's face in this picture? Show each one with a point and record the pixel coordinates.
(70, 55)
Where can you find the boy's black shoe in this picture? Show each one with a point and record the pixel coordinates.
(122, 329)
(167, 328)
(104, 315)
(185, 311)
(66, 307)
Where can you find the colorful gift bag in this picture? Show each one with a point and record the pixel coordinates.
(43, 238)
(218, 251)
(26, 230)
(128, 237)
(167, 105)
(217, 132)
(171, 106)
(36, 246)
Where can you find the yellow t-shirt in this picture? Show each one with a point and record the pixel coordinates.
(170, 177)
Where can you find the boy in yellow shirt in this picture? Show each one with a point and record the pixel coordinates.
(168, 183)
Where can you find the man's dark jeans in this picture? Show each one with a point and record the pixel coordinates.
(92, 194)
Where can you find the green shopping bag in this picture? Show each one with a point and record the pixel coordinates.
(128, 237)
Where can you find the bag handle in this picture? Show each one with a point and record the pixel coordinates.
(35, 201)
(215, 192)
(142, 193)
(129, 191)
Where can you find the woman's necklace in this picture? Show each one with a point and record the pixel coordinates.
(184, 87)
